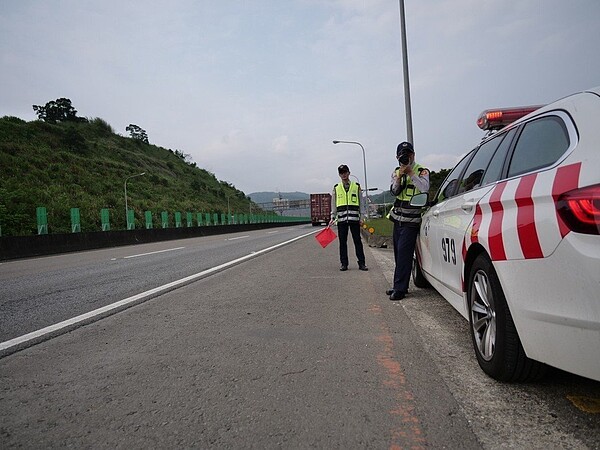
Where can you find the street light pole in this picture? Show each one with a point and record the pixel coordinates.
(364, 167)
(126, 210)
(407, 107)
(228, 211)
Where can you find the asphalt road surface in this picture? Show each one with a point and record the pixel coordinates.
(280, 350)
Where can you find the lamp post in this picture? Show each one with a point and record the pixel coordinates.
(364, 167)
(407, 107)
(228, 211)
(126, 210)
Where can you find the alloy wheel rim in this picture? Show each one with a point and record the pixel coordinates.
(483, 316)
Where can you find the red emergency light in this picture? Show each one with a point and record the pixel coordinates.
(496, 119)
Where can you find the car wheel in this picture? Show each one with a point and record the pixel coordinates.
(495, 338)
(417, 274)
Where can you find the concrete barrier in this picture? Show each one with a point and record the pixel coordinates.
(16, 247)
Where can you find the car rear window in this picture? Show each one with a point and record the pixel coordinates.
(541, 143)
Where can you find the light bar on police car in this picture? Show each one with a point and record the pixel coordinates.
(495, 119)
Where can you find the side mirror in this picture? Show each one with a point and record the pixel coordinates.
(419, 199)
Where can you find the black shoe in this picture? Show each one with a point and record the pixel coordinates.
(389, 292)
(343, 268)
(362, 267)
(397, 295)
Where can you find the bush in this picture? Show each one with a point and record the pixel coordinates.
(12, 119)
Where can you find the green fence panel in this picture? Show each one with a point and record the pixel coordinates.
(130, 219)
(215, 219)
(148, 215)
(207, 217)
(188, 219)
(165, 219)
(199, 219)
(223, 219)
(105, 219)
(75, 220)
(177, 219)
(42, 220)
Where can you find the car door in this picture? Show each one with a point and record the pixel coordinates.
(431, 229)
(456, 214)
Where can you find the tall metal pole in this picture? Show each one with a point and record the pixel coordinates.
(364, 167)
(131, 176)
(407, 108)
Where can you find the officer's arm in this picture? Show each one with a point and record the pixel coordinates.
(397, 183)
(333, 205)
(422, 180)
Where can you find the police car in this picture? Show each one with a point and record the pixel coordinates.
(512, 240)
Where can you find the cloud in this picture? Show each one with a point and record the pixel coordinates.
(256, 91)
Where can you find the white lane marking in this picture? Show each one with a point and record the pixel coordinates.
(271, 232)
(152, 253)
(40, 334)
(239, 237)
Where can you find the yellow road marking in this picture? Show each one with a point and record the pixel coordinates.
(585, 404)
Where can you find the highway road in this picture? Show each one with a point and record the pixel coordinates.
(278, 350)
(39, 292)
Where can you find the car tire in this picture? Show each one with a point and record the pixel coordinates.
(417, 275)
(495, 339)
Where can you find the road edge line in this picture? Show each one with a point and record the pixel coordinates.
(35, 337)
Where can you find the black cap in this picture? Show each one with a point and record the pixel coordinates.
(404, 146)
(343, 169)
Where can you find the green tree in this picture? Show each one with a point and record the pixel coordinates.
(136, 132)
(435, 180)
(59, 110)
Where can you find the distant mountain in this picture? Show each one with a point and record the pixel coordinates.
(267, 197)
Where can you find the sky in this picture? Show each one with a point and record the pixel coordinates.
(255, 91)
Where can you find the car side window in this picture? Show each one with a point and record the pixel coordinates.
(474, 173)
(494, 170)
(449, 187)
(541, 144)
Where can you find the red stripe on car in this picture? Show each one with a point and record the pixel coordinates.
(526, 229)
(495, 239)
(476, 224)
(566, 179)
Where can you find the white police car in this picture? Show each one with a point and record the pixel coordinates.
(512, 240)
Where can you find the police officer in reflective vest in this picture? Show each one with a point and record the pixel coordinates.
(345, 206)
(408, 179)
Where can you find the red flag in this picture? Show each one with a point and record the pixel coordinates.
(325, 237)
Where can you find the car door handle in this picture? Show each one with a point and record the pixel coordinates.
(435, 213)
(468, 206)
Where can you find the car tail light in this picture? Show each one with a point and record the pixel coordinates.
(495, 119)
(580, 209)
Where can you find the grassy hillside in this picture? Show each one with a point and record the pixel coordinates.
(84, 165)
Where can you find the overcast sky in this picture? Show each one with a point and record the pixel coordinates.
(255, 91)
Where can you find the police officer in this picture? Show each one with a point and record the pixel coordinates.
(408, 179)
(345, 206)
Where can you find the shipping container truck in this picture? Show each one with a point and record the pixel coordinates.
(320, 209)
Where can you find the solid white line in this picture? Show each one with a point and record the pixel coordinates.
(239, 237)
(152, 253)
(271, 232)
(35, 335)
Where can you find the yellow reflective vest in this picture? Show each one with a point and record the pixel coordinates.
(347, 202)
(402, 211)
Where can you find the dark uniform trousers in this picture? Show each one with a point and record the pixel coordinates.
(343, 236)
(405, 238)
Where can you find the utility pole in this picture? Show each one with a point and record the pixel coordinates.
(407, 107)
